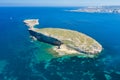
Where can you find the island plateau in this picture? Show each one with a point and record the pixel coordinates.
(64, 41)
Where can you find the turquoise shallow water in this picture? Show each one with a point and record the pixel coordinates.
(22, 59)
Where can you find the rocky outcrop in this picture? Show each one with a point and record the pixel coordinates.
(31, 23)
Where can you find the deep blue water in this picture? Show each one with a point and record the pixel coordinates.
(21, 59)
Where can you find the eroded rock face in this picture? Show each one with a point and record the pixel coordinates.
(43, 38)
(71, 42)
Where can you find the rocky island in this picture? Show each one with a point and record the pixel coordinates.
(64, 41)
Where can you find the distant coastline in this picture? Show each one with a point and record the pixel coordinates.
(99, 9)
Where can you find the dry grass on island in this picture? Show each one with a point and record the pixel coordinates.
(74, 42)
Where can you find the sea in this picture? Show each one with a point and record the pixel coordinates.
(22, 58)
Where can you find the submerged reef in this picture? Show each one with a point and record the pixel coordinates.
(64, 41)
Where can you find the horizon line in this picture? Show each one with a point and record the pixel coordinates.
(55, 6)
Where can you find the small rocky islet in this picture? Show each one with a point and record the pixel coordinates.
(64, 41)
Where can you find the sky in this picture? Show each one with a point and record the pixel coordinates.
(59, 2)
